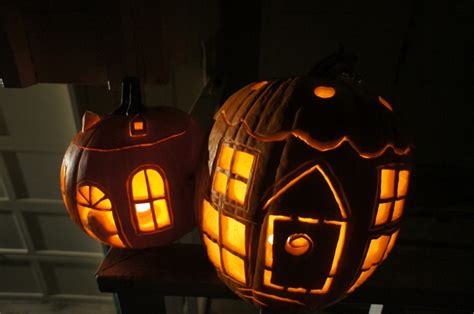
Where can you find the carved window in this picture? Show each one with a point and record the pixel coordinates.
(393, 186)
(150, 205)
(233, 173)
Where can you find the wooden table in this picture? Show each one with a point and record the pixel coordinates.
(413, 277)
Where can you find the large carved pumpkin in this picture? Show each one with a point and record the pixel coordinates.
(304, 189)
(127, 178)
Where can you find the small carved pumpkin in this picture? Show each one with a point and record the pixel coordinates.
(127, 178)
(304, 188)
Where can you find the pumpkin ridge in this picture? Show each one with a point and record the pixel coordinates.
(266, 114)
(253, 113)
(314, 143)
(245, 109)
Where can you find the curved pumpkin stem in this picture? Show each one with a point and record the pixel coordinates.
(131, 102)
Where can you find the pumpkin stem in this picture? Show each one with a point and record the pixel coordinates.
(341, 62)
(131, 97)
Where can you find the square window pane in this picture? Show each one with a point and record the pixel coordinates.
(398, 209)
(242, 164)
(237, 191)
(213, 252)
(210, 220)
(387, 183)
(403, 178)
(225, 157)
(220, 182)
(383, 213)
(234, 266)
(233, 234)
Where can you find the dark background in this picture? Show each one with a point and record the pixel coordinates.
(418, 54)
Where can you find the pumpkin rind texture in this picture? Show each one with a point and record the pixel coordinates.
(128, 180)
(303, 193)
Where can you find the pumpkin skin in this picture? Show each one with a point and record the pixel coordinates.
(111, 158)
(297, 171)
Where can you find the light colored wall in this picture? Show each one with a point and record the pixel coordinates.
(45, 255)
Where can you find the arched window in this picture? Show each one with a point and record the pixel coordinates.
(149, 198)
(95, 213)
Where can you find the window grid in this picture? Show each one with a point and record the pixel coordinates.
(221, 246)
(232, 177)
(385, 214)
(226, 167)
(150, 201)
(379, 249)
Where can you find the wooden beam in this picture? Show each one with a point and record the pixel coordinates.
(16, 65)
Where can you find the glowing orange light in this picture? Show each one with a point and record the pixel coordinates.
(324, 289)
(375, 252)
(308, 220)
(324, 92)
(385, 103)
(362, 278)
(225, 157)
(234, 266)
(298, 244)
(162, 213)
(387, 187)
(148, 194)
(145, 217)
(107, 150)
(398, 209)
(95, 214)
(383, 213)
(378, 251)
(403, 178)
(210, 220)
(259, 85)
(297, 290)
(267, 280)
(237, 191)
(115, 241)
(270, 239)
(62, 179)
(268, 245)
(393, 239)
(242, 164)
(220, 182)
(306, 138)
(213, 252)
(140, 186)
(301, 176)
(155, 183)
(233, 234)
(339, 246)
(138, 126)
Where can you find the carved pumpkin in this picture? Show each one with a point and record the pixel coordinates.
(127, 178)
(304, 188)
